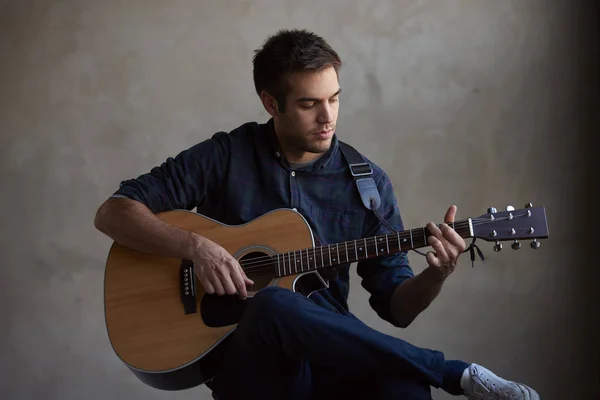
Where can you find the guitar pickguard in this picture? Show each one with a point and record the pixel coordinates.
(217, 311)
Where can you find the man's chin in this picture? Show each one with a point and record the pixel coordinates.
(321, 147)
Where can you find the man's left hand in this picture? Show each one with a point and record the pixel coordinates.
(447, 245)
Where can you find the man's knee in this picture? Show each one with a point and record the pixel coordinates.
(272, 301)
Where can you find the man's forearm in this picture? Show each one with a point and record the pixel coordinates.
(415, 294)
(133, 225)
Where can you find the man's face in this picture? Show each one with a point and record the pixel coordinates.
(307, 126)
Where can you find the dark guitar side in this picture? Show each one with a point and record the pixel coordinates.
(145, 319)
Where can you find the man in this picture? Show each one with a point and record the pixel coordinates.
(288, 345)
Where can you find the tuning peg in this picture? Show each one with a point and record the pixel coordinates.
(492, 210)
(498, 246)
(535, 244)
(516, 245)
(528, 205)
(510, 208)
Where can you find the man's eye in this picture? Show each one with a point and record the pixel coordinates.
(307, 105)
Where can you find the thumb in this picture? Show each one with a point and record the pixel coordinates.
(450, 214)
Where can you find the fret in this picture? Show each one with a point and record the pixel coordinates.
(399, 244)
(376, 247)
(278, 268)
(356, 250)
(387, 243)
(337, 246)
(322, 261)
(295, 264)
(347, 257)
(366, 253)
(424, 237)
(315, 257)
(329, 248)
(412, 244)
(301, 263)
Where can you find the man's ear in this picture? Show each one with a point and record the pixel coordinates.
(269, 103)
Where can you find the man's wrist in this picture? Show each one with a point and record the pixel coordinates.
(435, 274)
(195, 243)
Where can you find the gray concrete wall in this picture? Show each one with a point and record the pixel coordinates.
(481, 104)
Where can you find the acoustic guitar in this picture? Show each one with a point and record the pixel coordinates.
(167, 329)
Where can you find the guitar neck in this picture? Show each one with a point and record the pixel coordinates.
(335, 254)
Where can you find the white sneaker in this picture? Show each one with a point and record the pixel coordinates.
(479, 383)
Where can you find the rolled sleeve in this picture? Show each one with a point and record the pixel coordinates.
(382, 275)
(184, 181)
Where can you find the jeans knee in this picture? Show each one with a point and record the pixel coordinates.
(272, 301)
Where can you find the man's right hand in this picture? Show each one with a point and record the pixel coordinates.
(218, 271)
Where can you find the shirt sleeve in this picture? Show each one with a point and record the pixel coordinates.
(184, 181)
(381, 275)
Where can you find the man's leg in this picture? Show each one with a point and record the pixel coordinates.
(282, 330)
(379, 387)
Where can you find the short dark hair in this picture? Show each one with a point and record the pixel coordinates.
(287, 52)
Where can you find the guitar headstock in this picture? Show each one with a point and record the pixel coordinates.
(513, 225)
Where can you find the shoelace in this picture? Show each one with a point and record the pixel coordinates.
(475, 375)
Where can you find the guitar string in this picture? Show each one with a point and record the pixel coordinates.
(259, 262)
(289, 262)
(352, 246)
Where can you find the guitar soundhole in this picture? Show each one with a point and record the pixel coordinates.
(259, 267)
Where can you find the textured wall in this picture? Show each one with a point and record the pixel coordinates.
(475, 103)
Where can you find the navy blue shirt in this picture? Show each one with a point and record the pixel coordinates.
(238, 176)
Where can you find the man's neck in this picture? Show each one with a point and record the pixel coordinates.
(296, 165)
(301, 158)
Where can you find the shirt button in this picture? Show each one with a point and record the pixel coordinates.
(293, 173)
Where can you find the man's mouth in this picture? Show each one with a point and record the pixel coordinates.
(324, 134)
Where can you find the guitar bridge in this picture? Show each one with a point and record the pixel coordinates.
(187, 286)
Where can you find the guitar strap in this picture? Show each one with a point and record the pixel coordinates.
(362, 172)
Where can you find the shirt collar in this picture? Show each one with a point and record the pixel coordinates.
(274, 148)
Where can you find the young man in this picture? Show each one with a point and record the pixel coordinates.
(288, 345)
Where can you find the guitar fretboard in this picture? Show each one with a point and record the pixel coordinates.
(310, 259)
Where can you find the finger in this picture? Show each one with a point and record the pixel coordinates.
(435, 230)
(438, 247)
(450, 214)
(208, 287)
(225, 276)
(432, 259)
(238, 281)
(245, 277)
(452, 252)
(453, 238)
(215, 279)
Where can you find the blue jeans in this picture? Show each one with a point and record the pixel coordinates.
(287, 347)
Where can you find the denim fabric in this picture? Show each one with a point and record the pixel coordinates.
(287, 347)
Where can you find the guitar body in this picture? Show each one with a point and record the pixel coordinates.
(149, 328)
